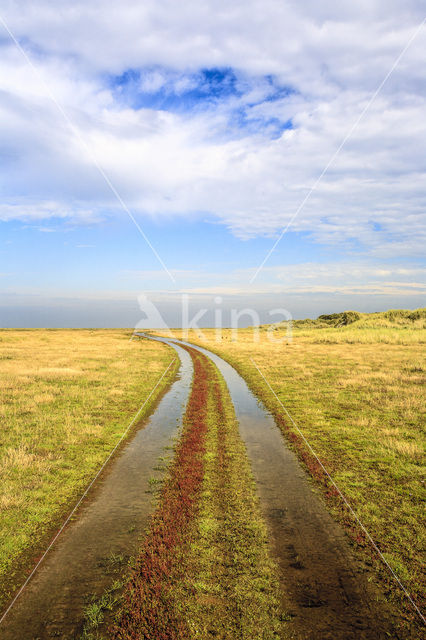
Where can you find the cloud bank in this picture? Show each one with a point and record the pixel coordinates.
(230, 111)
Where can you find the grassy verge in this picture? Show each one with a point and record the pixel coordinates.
(357, 393)
(204, 569)
(65, 399)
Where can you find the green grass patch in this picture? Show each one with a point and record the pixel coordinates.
(236, 590)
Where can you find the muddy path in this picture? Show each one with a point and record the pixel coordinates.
(106, 531)
(326, 592)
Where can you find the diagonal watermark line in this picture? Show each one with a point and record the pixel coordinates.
(338, 150)
(52, 542)
(75, 131)
(353, 513)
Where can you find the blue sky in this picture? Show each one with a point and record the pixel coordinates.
(204, 91)
(212, 126)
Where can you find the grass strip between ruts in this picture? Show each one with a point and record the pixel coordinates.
(204, 568)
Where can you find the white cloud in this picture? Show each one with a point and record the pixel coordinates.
(197, 161)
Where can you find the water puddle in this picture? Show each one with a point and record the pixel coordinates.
(106, 531)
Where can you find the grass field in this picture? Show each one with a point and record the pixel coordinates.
(66, 396)
(355, 387)
(353, 383)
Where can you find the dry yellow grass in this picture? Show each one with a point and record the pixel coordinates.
(66, 396)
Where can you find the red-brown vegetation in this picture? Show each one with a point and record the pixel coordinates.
(151, 610)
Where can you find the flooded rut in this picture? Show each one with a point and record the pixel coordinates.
(106, 530)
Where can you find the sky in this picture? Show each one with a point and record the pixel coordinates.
(246, 155)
